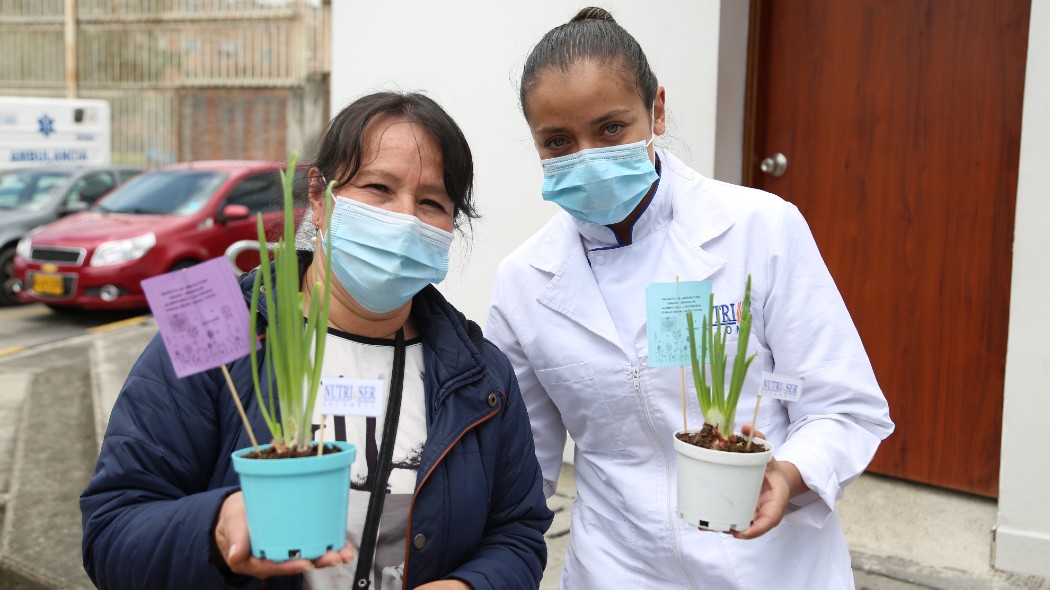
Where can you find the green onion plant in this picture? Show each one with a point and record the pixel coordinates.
(294, 347)
(717, 404)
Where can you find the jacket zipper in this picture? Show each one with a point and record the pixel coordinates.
(412, 506)
(676, 542)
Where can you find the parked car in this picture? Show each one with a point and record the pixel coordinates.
(30, 197)
(163, 220)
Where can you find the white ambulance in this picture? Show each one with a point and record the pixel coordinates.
(38, 132)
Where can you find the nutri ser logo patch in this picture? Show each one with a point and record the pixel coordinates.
(728, 316)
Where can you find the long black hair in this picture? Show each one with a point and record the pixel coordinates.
(339, 155)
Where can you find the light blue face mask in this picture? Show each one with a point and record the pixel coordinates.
(382, 258)
(600, 185)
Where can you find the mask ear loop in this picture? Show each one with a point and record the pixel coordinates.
(652, 126)
(320, 231)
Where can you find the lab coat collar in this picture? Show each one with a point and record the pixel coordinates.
(698, 216)
(572, 290)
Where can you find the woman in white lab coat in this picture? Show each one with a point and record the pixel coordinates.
(568, 309)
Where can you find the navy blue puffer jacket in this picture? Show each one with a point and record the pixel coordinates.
(165, 469)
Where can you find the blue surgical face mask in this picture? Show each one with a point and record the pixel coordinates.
(382, 258)
(600, 185)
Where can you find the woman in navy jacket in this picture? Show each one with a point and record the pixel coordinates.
(163, 509)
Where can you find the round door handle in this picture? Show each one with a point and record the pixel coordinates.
(774, 165)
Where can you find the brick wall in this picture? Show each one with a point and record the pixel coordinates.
(235, 123)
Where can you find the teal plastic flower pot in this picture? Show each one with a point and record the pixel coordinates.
(296, 507)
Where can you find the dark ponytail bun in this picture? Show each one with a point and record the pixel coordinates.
(593, 35)
(593, 13)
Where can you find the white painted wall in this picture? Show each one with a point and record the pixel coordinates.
(468, 56)
(1023, 532)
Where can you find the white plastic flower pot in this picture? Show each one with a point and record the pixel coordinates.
(718, 490)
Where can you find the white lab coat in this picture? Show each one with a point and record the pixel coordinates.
(550, 317)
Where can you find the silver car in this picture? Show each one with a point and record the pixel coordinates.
(31, 197)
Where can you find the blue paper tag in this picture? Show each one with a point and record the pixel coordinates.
(343, 396)
(665, 307)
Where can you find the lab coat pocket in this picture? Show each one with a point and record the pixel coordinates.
(583, 407)
(600, 526)
(602, 552)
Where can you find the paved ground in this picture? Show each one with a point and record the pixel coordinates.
(888, 524)
(23, 327)
(558, 536)
(50, 461)
(902, 536)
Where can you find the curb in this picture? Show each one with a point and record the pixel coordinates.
(55, 429)
(107, 374)
(918, 575)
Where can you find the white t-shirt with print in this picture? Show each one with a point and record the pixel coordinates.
(357, 357)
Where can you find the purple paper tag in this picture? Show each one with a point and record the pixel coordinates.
(201, 315)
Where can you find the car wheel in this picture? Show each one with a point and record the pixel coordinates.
(65, 310)
(7, 277)
(183, 264)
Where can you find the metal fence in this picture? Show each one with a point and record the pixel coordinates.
(156, 60)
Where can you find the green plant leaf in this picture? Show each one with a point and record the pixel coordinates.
(740, 363)
(717, 402)
(295, 331)
(703, 395)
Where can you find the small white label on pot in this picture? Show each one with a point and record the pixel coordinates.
(343, 396)
(781, 386)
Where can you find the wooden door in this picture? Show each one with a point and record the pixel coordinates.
(900, 121)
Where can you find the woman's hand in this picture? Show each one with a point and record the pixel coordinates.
(231, 537)
(780, 483)
(445, 585)
(772, 501)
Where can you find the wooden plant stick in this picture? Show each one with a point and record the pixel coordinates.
(320, 438)
(685, 420)
(751, 433)
(681, 370)
(240, 408)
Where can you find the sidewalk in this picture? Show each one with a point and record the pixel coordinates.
(902, 536)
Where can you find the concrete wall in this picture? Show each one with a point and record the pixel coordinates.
(468, 56)
(1023, 532)
(307, 116)
(731, 90)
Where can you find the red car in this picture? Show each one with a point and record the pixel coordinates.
(160, 221)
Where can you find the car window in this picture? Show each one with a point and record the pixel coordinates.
(126, 175)
(259, 193)
(90, 188)
(30, 190)
(164, 192)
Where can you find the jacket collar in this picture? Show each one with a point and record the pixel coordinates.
(697, 217)
(453, 340)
